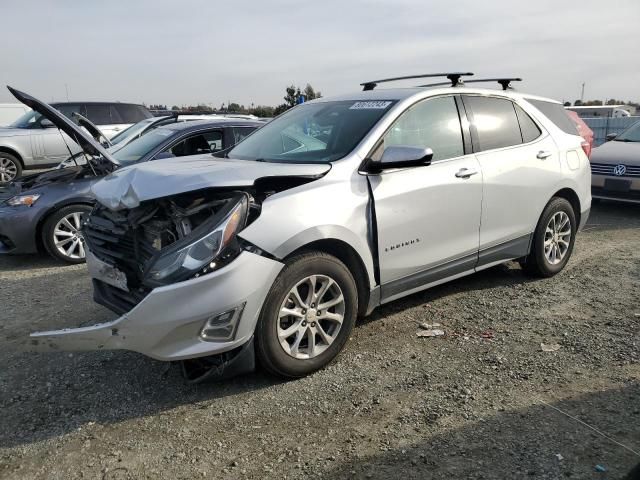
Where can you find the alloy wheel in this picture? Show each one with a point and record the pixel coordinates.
(8, 170)
(68, 238)
(311, 316)
(557, 238)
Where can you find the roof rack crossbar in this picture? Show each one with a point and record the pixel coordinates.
(454, 78)
(505, 83)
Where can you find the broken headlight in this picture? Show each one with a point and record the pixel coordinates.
(202, 249)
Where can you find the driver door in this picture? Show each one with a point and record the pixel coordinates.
(428, 217)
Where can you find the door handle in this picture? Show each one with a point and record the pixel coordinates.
(466, 172)
(542, 154)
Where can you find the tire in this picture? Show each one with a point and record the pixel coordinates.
(10, 168)
(280, 355)
(545, 261)
(72, 236)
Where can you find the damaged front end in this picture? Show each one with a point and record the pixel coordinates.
(186, 287)
(162, 242)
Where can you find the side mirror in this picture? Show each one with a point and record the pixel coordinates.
(46, 123)
(611, 136)
(162, 155)
(399, 156)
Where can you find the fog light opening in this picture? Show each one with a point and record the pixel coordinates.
(222, 326)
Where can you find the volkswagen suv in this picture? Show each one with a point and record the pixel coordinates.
(274, 250)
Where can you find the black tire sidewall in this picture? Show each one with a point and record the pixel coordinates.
(16, 162)
(541, 265)
(268, 349)
(49, 225)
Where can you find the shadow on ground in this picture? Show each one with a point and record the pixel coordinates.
(535, 442)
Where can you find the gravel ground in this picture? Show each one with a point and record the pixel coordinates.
(483, 401)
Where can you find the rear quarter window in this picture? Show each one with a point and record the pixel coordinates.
(557, 114)
(529, 128)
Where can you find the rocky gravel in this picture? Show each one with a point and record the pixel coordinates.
(482, 401)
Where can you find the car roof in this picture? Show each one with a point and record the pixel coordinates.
(217, 122)
(398, 94)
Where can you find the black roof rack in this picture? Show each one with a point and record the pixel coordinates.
(504, 82)
(454, 78)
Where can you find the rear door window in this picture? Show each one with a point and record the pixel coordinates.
(495, 122)
(200, 143)
(131, 113)
(557, 114)
(98, 114)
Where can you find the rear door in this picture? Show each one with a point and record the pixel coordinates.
(520, 166)
(428, 217)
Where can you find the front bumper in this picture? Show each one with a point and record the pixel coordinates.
(166, 324)
(17, 229)
(600, 188)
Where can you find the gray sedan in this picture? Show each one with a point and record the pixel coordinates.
(45, 211)
(615, 167)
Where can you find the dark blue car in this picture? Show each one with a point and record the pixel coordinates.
(44, 212)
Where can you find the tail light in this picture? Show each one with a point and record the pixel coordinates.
(586, 146)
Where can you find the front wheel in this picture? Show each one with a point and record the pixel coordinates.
(62, 235)
(553, 239)
(10, 168)
(307, 317)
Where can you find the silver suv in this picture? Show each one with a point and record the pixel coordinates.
(32, 141)
(334, 208)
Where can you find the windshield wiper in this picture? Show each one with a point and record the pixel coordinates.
(624, 140)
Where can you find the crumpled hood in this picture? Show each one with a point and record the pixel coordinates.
(615, 153)
(128, 187)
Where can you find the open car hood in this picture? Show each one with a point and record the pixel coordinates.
(82, 138)
(95, 132)
(128, 187)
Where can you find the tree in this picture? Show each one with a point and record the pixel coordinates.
(234, 107)
(310, 93)
(567, 104)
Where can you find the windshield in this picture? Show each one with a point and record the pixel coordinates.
(313, 133)
(27, 120)
(631, 134)
(139, 147)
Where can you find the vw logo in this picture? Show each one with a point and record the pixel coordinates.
(619, 170)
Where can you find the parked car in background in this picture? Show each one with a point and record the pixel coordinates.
(32, 141)
(584, 131)
(127, 135)
(615, 167)
(10, 112)
(44, 212)
(278, 247)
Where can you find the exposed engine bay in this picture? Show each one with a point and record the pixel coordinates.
(94, 168)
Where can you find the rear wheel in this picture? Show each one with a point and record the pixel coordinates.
(307, 316)
(10, 168)
(553, 239)
(61, 234)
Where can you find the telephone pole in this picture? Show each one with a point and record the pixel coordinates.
(582, 94)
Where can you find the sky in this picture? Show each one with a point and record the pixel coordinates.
(179, 52)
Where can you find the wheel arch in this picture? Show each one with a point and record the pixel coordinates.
(50, 211)
(13, 152)
(350, 257)
(572, 197)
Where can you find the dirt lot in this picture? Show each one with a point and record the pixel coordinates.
(392, 406)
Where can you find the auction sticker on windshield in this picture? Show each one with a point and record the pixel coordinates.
(378, 105)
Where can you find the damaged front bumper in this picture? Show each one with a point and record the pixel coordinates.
(167, 323)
